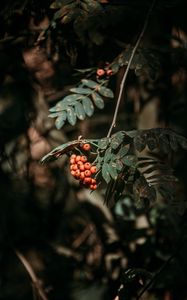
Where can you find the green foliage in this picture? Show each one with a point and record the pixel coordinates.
(80, 103)
(120, 166)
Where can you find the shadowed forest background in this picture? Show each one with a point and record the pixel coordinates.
(58, 240)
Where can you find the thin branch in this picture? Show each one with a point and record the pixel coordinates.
(34, 278)
(128, 67)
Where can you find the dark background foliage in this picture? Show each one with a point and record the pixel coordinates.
(78, 247)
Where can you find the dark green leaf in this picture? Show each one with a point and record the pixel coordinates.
(140, 142)
(119, 165)
(113, 170)
(55, 114)
(81, 90)
(117, 139)
(71, 116)
(108, 155)
(105, 173)
(79, 110)
(88, 106)
(103, 143)
(183, 142)
(130, 160)
(123, 151)
(164, 143)
(98, 101)
(106, 92)
(60, 121)
(90, 83)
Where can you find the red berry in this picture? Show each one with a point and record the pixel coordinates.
(93, 187)
(87, 180)
(93, 181)
(84, 158)
(73, 156)
(74, 167)
(87, 165)
(72, 161)
(109, 72)
(87, 173)
(86, 147)
(93, 169)
(78, 158)
(82, 175)
(77, 174)
(100, 72)
(73, 173)
(81, 167)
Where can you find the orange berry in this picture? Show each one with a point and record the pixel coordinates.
(79, 163)
(74, 167)
(71, 167)
(84, 158)
(77, 174)
(87, 165)
(73, 173)
(73, 156)
(93, 169)
(86, 147)
(87, 173)
(87, 180)
(93, 181)
(72, 161)
(78, 158)
(93, 187)
(82, 175)
(81, 167)
(100, 72)
(109, 72)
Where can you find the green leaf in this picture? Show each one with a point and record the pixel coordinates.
(105, 172)
(98, 101)
(71, 116)
(108, 155)
(59, 4)
(88, 106)
(119, 165)
(117, 139)
(123, 151)
(103, 143)
(113, 170)
(81, 90)
(60, 121)
(55, 114)
(106, 92)
(79, 110)
(130, 160)
(90, 83)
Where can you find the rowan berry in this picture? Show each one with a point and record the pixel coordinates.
(73, 173)
(93, 181)
(81, 167)
(84, 158)
(77, 174)
(80, 163)
(87, 173)
(109, 72)
(74, 167)
(72, 161)
(100, 72)
(87, 165)
(93, 169)
(93, 187)
(82, 175)
(87, 180)
(78, 158)
(86, 147)
(71, 167)
(73, 156)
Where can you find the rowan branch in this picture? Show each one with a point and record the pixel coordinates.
(36, 282)
(113, 124)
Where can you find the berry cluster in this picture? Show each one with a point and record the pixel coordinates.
(105, 72)
(83, 170)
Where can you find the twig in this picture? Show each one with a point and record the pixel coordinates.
(128, 67)
(35, 280)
